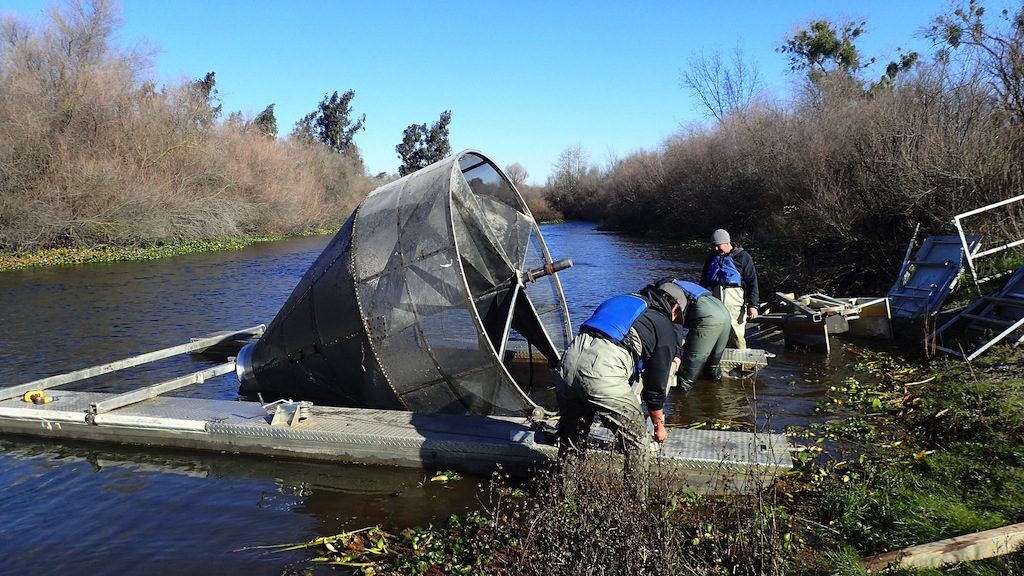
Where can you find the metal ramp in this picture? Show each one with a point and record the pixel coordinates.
(925, 281)
(994, 317)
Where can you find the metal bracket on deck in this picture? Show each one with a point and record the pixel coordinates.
(287, 412)
(543, 424)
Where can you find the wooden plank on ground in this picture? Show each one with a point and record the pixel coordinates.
(977, 546)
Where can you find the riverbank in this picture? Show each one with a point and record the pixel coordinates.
(73, 256)
(92, 255)
(904, 453)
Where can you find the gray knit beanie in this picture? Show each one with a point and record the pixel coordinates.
(720, 237)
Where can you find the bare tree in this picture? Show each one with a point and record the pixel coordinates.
(999, 49)
(572, 185)
(517, 173)
(723, 87)
(570, 169)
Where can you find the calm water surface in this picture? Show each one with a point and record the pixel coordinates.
(90, 509)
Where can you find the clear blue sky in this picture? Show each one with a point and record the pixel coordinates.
(523, 79)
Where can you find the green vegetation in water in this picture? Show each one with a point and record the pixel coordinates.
(446, 476)
(907, 453)
(70, 256)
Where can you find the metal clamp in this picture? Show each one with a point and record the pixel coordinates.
(287, 412)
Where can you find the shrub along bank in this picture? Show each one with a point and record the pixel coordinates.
(66, 256)
(834, 177)
(94, 153)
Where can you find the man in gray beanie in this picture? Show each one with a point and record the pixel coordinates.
(730, 275)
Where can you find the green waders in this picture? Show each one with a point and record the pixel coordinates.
(709, 327)
(594, 379)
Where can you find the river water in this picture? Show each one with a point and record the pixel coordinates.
(91, 509)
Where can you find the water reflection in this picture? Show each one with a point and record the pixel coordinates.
(59, 319)
(124, 511)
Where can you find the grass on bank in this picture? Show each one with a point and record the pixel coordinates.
(919, 453)
(904, 454)
(72, 256)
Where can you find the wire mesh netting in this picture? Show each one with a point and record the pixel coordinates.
(414, 302)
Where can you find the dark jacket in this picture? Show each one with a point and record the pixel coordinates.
(660, 344)
(745, 264)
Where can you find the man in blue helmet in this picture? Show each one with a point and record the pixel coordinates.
(601, 362)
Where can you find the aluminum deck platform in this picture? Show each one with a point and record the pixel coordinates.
(708, 461)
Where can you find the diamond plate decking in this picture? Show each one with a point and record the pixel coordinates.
(703, 460)
(746, 359)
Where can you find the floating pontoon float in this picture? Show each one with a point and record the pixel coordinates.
(807, 321)
(710, 461)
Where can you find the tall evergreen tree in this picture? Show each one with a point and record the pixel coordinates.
(265, 122)
(210, 107)
(330, 123)
(422, 146)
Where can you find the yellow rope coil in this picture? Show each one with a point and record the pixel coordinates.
(36, 397)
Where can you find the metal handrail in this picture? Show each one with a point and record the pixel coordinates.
(92, 371)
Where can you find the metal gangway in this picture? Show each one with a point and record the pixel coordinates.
(925, 280)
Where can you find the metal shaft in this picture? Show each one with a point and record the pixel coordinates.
(548, 269)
